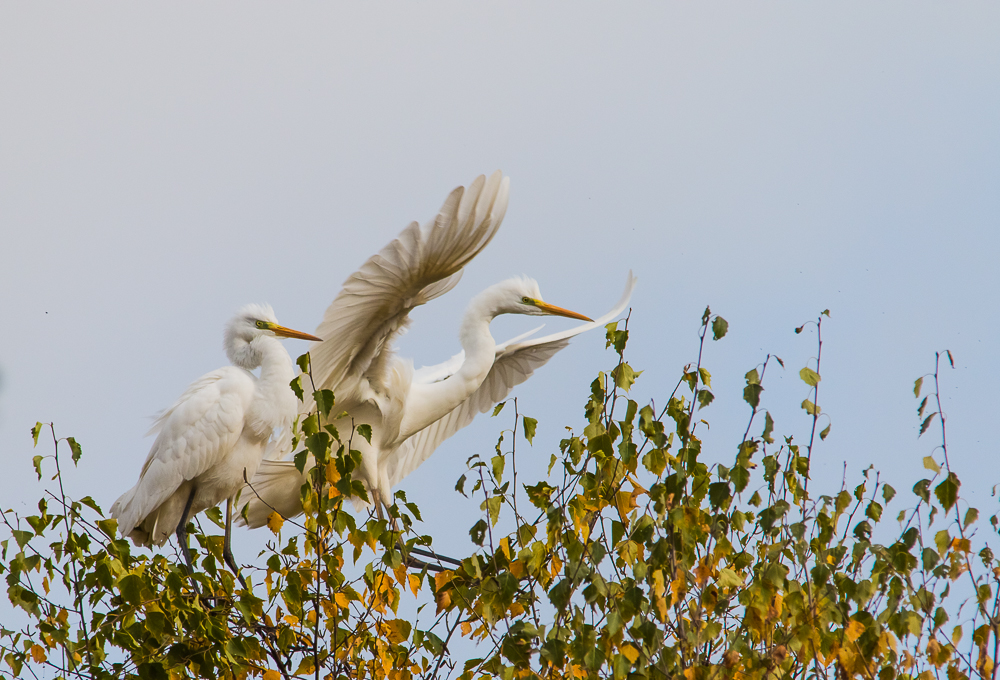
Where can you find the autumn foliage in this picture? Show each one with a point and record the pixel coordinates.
(639, 555)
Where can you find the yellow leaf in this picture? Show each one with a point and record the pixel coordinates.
(466, 628)
(272, 675)
(888, 640)
(38, 653)
(443, 578)
(342, 600)
(677, 589)
(443, 601)
(397, 630)
(516, 609)
(332, 475)
(555, 566)
(630, 653)
(702, 572)
(274, 522)
(45, 584)
(414, 583)
(658, 586)
(401, 574)
(505, 547)
(854, 630)
(661, 607)
(291, 620)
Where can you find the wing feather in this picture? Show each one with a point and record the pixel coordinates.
(419, 265)
(516, 361)
(203, 425)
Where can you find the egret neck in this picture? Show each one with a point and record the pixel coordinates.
(427, 403)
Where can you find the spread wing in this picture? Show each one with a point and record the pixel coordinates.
(194, 434)
(418, 266)
(516, 361)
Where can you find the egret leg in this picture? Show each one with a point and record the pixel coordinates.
(227, 552)
(182, 539)
(408, 558)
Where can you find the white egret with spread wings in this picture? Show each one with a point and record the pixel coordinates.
(213, 435)
(412, 412)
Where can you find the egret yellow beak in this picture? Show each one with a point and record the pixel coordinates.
(559, 311)
(283, 332)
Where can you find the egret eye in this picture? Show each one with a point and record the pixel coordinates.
(526, 300)
(260, 324)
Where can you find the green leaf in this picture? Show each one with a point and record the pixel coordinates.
(92, 504)
(917, 386)
(324, 401)
(704, 398)
(498, 408)
(365, 431)
(931, 464)
(766, 435)
(947, 491)
(624, 376)
(810, 408)
(888, 493)
(311, 424)
(826, 312)
(719, 493)
(971, 515)
(37, 462)
(927, 423)
(729, 578)
(478, 532)
(460, 485)
(75, 448)
(922, 489)
(615, 337)
(296, 386)
(824, 433)
(303, 362)
(498, 463)
(493, 504)
(751, 394)
(35, 431)
(706, 377)
(529, 428)
(809, 376)
(719, 328)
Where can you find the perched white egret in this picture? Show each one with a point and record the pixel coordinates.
(412, 412)
(213, 435)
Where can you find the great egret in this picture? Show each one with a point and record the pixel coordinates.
(412, 412)
(213, 435)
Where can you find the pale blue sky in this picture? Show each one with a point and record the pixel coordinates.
(161, 165)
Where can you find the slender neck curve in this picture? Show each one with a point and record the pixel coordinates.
(426, 404)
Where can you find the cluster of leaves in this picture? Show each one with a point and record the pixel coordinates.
(639, 555)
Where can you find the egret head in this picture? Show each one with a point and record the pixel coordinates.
(245, 330)
(520, 295)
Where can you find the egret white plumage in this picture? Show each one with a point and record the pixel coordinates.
(213, 434)
(412, 412)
